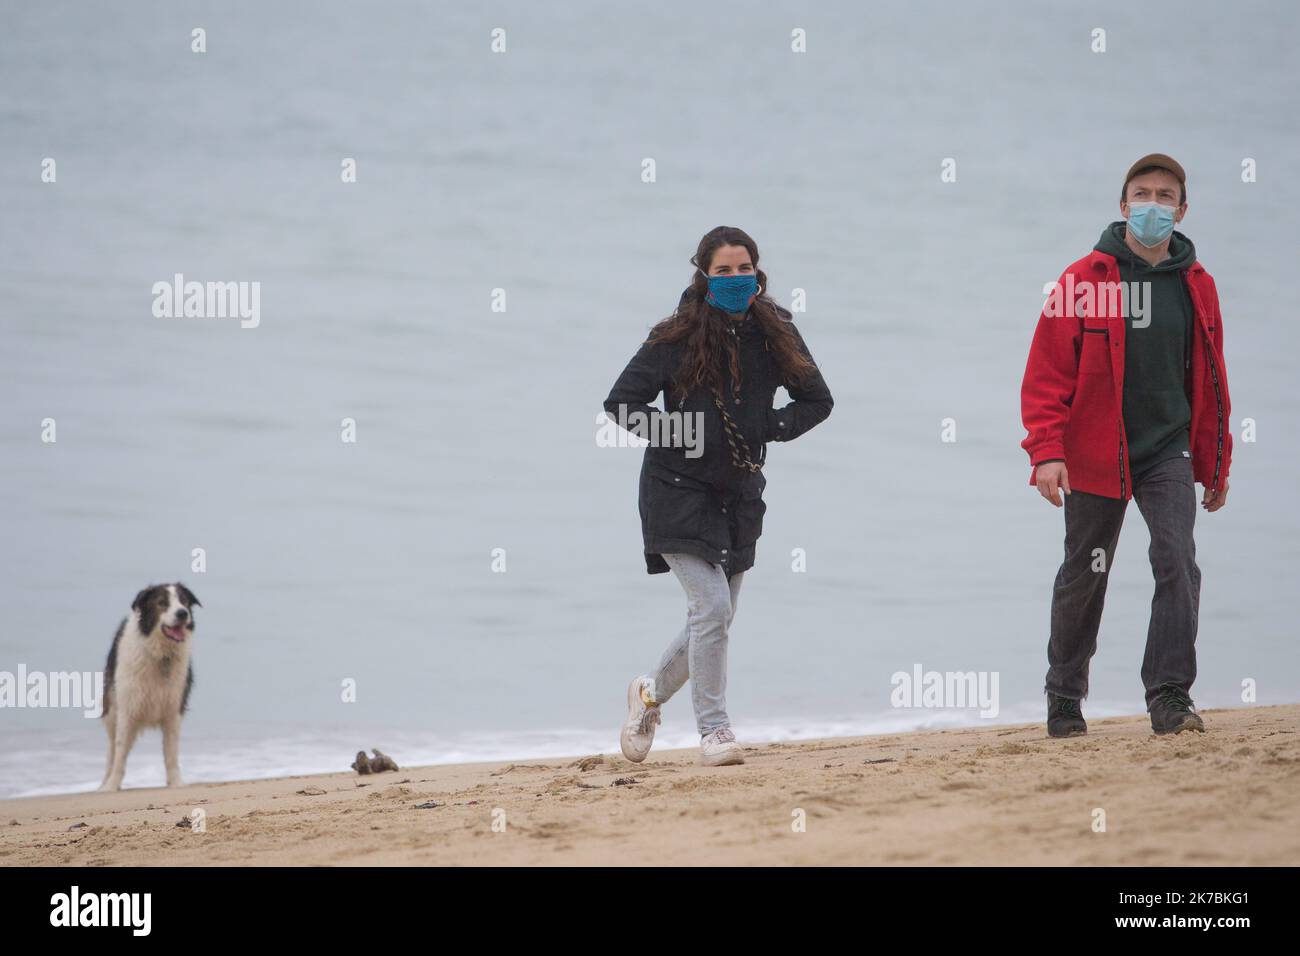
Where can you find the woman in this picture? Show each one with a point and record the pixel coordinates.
(718, 361)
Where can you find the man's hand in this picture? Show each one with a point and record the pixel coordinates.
(1051, 476)
(1214, 500)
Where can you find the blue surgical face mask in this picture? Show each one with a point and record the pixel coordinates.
(1150, 222)
(732, 293)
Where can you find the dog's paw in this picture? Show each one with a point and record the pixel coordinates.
(108, 788)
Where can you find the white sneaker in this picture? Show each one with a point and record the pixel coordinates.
(642, 716)
(719, 749)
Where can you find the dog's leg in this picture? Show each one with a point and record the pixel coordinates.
(124, 737)
(172, 750)
(110, 725)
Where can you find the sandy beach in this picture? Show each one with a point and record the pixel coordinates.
(992, 796)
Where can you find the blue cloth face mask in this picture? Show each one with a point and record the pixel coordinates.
(731, 293)
(1150, 222)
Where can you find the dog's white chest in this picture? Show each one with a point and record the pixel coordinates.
(150, 687)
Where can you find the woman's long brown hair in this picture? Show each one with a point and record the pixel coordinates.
(706, 329)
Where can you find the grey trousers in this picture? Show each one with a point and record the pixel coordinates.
(1166, 497)
(699, 651)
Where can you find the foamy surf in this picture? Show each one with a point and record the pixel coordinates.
(26, 769)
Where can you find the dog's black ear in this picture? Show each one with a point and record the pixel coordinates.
(187, 595)
(142, 597)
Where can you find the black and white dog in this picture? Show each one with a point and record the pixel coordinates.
(148, 677)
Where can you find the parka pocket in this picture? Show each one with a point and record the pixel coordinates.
(749, 521)
(749, 508)
(1094, 355)
(676, 505)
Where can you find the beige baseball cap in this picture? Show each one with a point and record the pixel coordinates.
(1158, 160)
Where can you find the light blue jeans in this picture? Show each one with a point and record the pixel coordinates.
(699, 652)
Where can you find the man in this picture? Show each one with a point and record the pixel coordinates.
(1125, 395)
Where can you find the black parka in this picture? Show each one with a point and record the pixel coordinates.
(706, 505)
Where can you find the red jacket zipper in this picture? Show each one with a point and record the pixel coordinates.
(1218, 401)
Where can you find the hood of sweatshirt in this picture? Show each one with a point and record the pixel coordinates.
(1181, 251)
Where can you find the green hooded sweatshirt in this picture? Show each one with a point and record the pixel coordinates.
(1157, 413)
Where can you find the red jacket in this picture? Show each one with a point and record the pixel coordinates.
(1071, 399)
